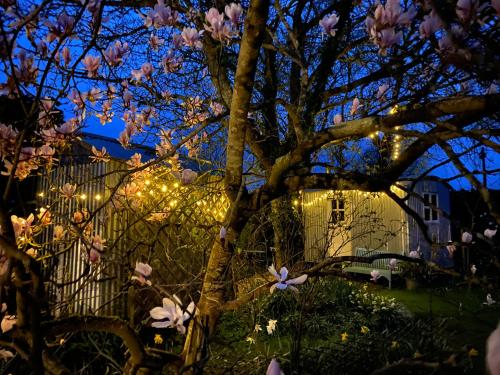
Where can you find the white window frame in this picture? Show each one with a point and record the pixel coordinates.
(430, 207)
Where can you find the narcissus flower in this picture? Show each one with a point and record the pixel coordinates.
(283, 283)
(251, 340)
(271, 326)
(344, 336)
(365, 330)
(158, 339)
(472, 352)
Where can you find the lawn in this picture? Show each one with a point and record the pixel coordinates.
(469, 321)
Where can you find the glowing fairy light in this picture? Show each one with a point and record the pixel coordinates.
(98, 197)
(83, 196)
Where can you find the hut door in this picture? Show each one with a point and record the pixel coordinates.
(339, 233)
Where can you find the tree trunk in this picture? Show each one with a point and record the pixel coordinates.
(209, 305)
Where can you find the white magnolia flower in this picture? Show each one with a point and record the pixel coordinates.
(375, 275)
(68, 190)
(493, 352)
(473, 269)
(5, 354)
(466, 237)
(274, 368)
(393, 263)
(490, 233)
(143, 272)
(489, 300)
(271, 326)
(8, 322)
(413, 254)
(283, 283)
(171, 315)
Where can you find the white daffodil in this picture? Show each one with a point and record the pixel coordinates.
(271, 326)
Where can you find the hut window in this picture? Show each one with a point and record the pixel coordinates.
(430, 205)
(338, 212)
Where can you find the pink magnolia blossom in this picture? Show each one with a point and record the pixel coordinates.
(6, 354)
(8, 323)
(160, 16)
(490, 233)
(171, 63)
(393, 263)
(186, 177)
(218, 29)
(124, 139)
(96, 244)
(337, 119)
(170, 315)
(430, 25)
(91, 64)
(99, 155)
(142, 273)
(466, 9)
(62, 26)
(136, 75)
(59, 233)
(466, 237)
(147, 69)
(222, 235)
(116, 53)
(135, 161)
(492, 89)
(68, 190)
(274, 368)
(375, 275)
(44, 216)
(158, 216)
(282, 282)
(233, 12)
(496, 5)
(387, 38)
(328, 23)
(216, 108)
(155, 42)
(177, 41)
(355, 106)
(386, 21)
(191, 38)
(22, 227)
(382, 91)
(66, 55)
(493, 352)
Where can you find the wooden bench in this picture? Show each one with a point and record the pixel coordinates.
(380, 265)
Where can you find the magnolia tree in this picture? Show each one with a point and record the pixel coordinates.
(298, 91)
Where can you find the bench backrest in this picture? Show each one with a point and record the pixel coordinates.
(381, 264)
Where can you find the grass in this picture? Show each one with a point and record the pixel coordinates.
(469, 322)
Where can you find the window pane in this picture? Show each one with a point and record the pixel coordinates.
(434, 199)
(427, 214)
(434, 215)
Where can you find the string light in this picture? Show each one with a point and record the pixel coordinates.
(83, 196)
(41, 194)
(98, 197)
